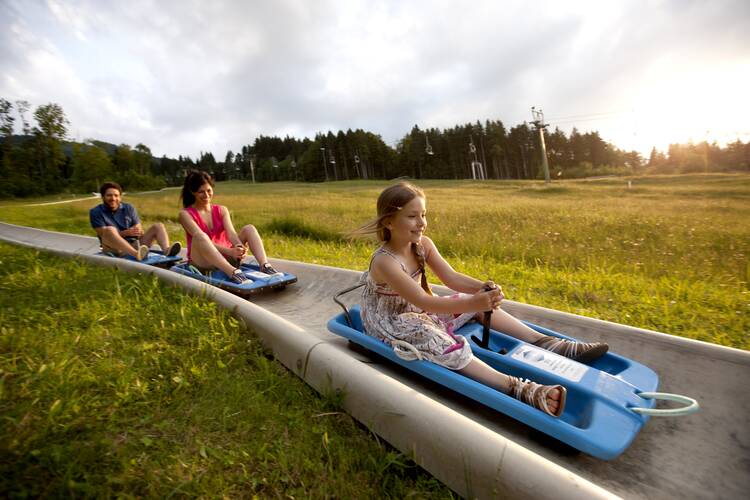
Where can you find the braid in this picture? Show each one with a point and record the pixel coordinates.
(419, 254)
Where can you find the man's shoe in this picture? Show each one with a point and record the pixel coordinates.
(142, 252)
(174, 249)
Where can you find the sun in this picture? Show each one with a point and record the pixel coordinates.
(677, 104)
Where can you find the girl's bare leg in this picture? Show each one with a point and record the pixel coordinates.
(580, 351)
(481, 372)
(504, 322)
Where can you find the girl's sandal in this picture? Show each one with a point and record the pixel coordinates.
(535, 395)
(577, 351)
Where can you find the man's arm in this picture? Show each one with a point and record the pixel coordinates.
(135, 230)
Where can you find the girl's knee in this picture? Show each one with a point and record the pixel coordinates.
(250, 230)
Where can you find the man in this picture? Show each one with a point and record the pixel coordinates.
(119, 228)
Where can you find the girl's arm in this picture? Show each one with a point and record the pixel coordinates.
(386, 269)
(449, 276)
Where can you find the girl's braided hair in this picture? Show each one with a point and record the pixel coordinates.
(390, 201)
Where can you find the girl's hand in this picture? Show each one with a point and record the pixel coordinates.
(488, 285)
(487, 300)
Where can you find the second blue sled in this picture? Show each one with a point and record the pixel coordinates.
(259, 282)
(154, 258)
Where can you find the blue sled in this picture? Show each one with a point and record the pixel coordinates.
(597, 419)
(260, 281)
(154, 258)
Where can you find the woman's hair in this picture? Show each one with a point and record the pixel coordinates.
(109, 185)
(193, 182)
(390, 201)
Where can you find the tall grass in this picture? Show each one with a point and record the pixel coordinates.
(669, 253)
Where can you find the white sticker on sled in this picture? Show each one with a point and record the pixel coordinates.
(550, 362)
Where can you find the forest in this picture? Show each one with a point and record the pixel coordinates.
(37, 157)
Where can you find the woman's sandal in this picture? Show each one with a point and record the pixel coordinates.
(577, 351)
(535, 395)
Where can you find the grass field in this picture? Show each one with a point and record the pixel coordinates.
(177, 400)
(669, 254)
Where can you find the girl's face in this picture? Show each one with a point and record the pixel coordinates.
(409, 223)
(204, 193)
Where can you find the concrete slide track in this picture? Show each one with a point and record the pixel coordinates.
(475, 451)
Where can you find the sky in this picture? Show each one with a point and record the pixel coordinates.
(185, 77)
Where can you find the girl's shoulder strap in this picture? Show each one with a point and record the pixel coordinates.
(389, 254)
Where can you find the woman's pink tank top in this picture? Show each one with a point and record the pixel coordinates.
(217, 234)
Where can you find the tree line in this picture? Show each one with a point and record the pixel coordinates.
(38, 159)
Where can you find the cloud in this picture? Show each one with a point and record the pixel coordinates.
(184, 77)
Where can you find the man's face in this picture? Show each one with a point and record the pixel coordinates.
(112, 198)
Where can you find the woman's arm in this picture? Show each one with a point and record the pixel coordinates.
(238, 249)
(386, 269)
(229, 227)
(188, 224)
(449, 276)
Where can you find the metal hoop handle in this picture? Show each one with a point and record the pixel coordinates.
(691, 405)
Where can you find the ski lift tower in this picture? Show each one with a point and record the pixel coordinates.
(538, 122)
(362, 173)
(325, 165)
(477, 169)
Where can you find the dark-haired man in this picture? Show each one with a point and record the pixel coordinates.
(119, 228)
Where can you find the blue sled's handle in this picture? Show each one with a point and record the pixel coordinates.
(484, 343)
(691, 405)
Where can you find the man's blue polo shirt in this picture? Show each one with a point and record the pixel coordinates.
(123, 218)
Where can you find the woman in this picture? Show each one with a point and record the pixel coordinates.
(212, 242)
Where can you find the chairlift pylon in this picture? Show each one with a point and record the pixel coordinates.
(427, 147)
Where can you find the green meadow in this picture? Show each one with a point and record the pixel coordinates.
(178, 400)
(670, 253)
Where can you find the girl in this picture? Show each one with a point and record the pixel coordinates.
(212, 242)
(397, 303)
